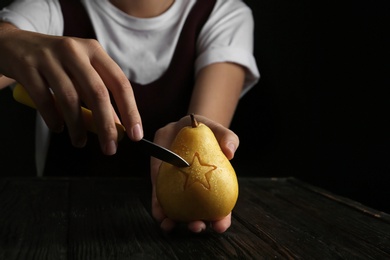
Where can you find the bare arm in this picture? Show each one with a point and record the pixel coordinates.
(76, 70)
(217, 92)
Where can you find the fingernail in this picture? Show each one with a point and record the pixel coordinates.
(232, 147)
(196, 227)
(137, 132)
(110, 148)
(199, 230)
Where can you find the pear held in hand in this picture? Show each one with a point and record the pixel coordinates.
(207, 189)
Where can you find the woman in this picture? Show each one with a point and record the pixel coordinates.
(159, 60)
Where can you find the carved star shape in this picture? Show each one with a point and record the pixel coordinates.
(198, 172)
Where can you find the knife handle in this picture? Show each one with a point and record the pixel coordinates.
(20, 94)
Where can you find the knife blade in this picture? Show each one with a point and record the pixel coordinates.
(153, 149)
(162, 153)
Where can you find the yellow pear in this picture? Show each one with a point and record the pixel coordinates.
(207, 189)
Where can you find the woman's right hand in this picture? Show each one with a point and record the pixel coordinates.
(76, 70)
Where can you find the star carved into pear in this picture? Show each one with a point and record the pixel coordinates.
(198, 172)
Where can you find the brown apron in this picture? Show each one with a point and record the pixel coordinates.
(163, 101)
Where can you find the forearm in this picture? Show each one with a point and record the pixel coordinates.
(217, 92)
(4, 29)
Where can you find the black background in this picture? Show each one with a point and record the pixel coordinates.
(320, 111)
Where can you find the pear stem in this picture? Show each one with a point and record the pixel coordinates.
(194, 123)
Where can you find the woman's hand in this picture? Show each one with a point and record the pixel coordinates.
(76, 71)
(228, 141)
(5, 82)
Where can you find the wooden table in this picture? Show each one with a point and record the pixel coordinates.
(97, 218)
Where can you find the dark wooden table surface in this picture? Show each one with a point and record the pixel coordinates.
(94, 218)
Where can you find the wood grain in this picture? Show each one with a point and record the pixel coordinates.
(102, 218)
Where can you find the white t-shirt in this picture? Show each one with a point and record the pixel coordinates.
(143, 47)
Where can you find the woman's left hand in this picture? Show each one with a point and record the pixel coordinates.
(228, 142)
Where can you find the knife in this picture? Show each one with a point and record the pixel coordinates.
(153, 149)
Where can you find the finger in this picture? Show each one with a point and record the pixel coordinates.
(167, 225)
(67, 99)
(165, 136)
(229, 144)
(122, 92)
(95, 94)
(5, 81)
(116, 118)
(157, 211)
(197, 226)
(222, 225)
(154, 167)
(39, 92)
(227, 139)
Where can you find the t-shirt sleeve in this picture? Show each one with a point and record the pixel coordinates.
(43, 16)
(228, 36)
